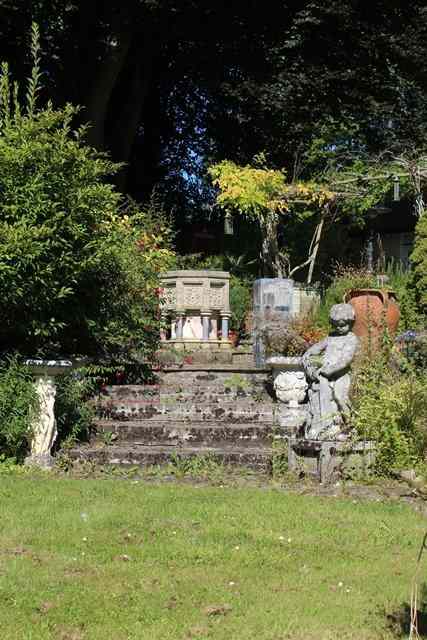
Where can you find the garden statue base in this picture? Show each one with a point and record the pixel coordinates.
(44, 430)
(42, 461)
(330, 460)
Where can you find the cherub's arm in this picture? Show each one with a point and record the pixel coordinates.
(341, 364)
(315, 350)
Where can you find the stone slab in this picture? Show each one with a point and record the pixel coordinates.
(330, 460)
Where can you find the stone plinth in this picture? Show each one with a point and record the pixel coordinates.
(44, 423)
(196, 306)
(272, 299)
(330, 460)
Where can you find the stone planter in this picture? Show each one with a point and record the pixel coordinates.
(44, 424)
(290, 386)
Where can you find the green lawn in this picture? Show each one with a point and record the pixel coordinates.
(115, 560)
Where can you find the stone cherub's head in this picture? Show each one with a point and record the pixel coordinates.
(342, 318)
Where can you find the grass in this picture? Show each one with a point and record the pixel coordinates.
(96, 559)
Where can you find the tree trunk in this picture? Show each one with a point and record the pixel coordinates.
(315, 249)
(270, 252)
(130, 102)
(105, 80)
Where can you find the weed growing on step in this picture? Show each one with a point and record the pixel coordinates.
(237, 383)
(279, 459)
(207, 466)
(108, 437)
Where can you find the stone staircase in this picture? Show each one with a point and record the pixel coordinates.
(225, 412)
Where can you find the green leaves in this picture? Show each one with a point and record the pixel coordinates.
(73, 278)
(34, 80)
(18, 404)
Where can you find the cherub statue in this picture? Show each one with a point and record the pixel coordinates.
(327, 366)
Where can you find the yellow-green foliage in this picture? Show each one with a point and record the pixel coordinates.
(248, 189)
(254, 191)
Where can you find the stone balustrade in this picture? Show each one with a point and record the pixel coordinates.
(195, 308)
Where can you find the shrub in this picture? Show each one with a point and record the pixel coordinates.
(291, 338)
(74, 414)
(400, 280)
(390, 407)
(419, 266)
(240, 303)
(18, 405)
(78, 264)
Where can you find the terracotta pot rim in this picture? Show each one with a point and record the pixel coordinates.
(384, 293)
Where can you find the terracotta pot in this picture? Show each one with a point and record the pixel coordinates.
(233, 336)
(376, 310)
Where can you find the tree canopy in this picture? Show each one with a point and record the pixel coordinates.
(172, 86)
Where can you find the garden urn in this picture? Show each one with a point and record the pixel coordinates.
(377, 312)
(290, 386)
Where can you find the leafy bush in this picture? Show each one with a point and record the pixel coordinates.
(74, 414)
(78, 265)
(240, 303)
(291, 338)
(419, 267)
(400, 281)
(18, 405)
(390, 407)
(413, 344)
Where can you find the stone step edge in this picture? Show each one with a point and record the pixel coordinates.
(202, 424)
(215, 366)
(186, 421)
(157, 455)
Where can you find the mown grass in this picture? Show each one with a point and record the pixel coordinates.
(114, 559)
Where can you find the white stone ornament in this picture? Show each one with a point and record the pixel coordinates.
(290, 384)
(44, 423)
(290, 387)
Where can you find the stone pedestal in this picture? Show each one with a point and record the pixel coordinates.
(330, 460)
(272, 300)
(44, 424)
(197, 304)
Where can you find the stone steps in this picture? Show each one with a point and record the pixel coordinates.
(258, 458)
(189, 412)
(181, 433)
(221, 411)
